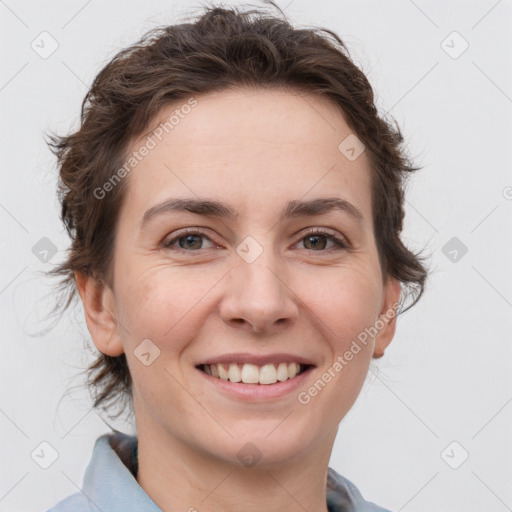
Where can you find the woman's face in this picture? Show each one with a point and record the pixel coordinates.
(251, 287)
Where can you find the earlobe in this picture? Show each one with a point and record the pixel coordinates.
(98, 301)
(386, 323)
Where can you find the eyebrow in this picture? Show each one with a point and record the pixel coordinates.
(212, 208)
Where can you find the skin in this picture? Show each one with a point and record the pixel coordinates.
(256, 150)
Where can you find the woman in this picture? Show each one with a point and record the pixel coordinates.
(235, 206)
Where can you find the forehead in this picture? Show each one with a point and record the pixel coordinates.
(249, 147)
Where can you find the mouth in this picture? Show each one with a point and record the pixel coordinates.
(249, 373)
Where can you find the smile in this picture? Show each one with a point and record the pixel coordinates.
(248, 373)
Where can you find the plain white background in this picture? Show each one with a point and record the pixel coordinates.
(447, 375)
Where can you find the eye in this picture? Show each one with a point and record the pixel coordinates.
(188, 240)
(317, 239)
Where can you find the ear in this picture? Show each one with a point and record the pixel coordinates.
(99, 307)
(386, 323)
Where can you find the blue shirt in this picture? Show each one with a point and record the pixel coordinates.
(110, 483)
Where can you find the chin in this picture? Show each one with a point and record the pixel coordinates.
(263, 449)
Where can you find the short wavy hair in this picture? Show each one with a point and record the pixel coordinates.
(225, 47)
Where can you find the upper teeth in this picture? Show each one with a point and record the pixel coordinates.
(253, 374)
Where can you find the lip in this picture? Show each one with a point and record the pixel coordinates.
(258, 360)
(256, 392)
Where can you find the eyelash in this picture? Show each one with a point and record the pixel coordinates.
(341, 244)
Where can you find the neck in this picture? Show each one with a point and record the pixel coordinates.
(178, 477)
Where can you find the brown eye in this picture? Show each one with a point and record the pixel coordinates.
(317, 240)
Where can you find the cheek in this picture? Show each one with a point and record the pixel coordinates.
(342, 308)
(163, 304)
(345, 300)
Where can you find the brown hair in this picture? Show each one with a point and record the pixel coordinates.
(222, 49)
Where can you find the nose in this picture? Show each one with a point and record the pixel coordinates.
(257, 297)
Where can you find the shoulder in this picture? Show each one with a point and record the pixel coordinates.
(343, 495)
(109, 482)
(85, 499)
(75, 503)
